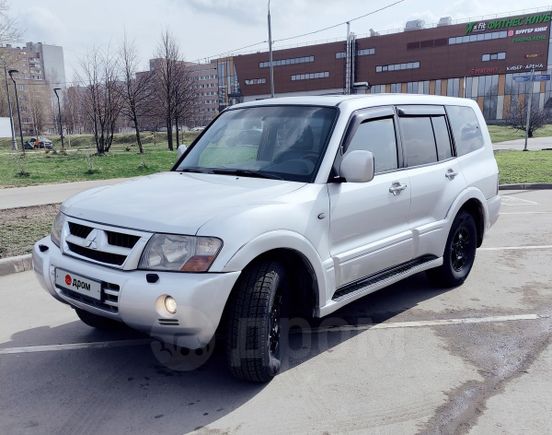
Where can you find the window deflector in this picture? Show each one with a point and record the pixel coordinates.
(363, 116)
(420, 110)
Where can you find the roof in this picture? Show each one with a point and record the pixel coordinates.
(354, 102)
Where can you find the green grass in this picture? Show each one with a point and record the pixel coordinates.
(80, 163)
(78, 166)
(524, 167)
(120, 140)
(501, 133)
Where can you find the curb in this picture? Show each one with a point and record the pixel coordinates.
(525, 186)
(21, 263)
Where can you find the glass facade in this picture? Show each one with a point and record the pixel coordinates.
(310, 76)
(478, 37)
(291, 61)
(397, 66)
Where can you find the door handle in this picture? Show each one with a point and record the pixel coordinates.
(396, 188)
(451, 173)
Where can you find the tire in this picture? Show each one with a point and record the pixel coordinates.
(459, 253)
(254, 323)
(97, 322)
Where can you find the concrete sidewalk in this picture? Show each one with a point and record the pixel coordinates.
(533, 144)
(47, 193)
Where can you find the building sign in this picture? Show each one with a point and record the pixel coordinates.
(506, 23)
(487, 70)
(527, 67)
(530, 38)
(527, 31)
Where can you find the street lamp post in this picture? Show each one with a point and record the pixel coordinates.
(10, 114)
(11, 72)
(528, 120)
(60, 123)
(271, 66)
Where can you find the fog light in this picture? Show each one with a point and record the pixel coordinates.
(170, 304)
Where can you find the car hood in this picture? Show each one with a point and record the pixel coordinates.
(174, 202)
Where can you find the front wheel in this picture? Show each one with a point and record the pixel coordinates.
(254, 323)
(459, 253)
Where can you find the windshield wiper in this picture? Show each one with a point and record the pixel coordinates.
(245, 173)
(197, 169)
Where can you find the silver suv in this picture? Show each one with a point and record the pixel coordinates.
(282, 207)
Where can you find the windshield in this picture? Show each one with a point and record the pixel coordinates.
(281, 142)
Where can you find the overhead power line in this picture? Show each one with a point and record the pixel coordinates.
(342, 23)
(333, 26)
(227, 52)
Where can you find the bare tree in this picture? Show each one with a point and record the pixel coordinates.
(517, 116)
(8, 26)
(8, 34)
(36, 109)
(185, 97)
(137, 88)
(73, 113)
(102, 102)
(166, 71)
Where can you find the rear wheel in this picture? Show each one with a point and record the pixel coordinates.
(254, 323)
(459, 253)
(97, 322)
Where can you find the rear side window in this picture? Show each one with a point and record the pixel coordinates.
(442, 137)
(377, 136)
(465, 129)
(418, 140)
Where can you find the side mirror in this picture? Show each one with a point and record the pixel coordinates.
(180, 150)
(357, 166)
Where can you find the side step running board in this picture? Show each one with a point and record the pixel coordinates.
(385, 277)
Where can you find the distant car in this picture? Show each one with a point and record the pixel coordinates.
(41, 142)
(28, 145)
(198, 128)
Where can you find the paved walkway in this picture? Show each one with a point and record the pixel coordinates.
(535, 143)
(47, 193)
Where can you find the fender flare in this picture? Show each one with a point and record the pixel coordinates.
(465, 196)
(281, 239)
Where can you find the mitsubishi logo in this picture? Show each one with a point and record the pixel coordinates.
(91, 240)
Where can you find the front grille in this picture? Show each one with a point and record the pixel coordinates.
(79, 230)
(98, 243)
(101, 256)
(109, 301)
(120, 239)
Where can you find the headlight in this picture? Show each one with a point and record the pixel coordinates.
(57, 227)
(180, 253)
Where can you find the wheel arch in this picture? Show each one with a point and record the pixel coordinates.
(472, 201)
(474, 207)
(298, 256)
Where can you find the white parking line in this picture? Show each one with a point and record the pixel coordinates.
(516, 248)
(525, 212)
(345, 328)
(513, 200)
(74, 346)
(426, 323)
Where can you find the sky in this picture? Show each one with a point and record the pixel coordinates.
(205, 28)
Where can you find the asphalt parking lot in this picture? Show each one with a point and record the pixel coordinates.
(408, 359)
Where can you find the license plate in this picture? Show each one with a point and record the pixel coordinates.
(79, 284)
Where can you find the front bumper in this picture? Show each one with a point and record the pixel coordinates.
(201, 297)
